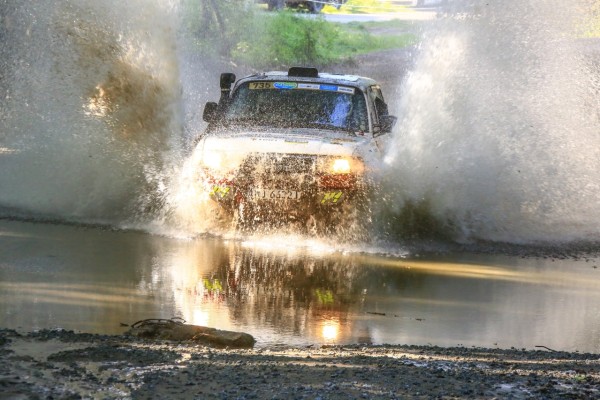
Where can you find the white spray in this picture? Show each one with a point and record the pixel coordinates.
(499, 135)
(90, 108)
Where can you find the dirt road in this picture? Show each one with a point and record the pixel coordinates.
(64, 365)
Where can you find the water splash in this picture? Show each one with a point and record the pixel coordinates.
(498, 137)
(90, 100)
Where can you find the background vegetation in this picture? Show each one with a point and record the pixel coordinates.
(239, 31)
(366, 6)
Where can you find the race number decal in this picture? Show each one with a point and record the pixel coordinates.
(260, 85)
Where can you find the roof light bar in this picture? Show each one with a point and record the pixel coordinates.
(303, 72)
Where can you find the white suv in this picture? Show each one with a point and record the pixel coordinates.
(298, 145)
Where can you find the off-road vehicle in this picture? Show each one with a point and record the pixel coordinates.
(298, 146)
(314, 6)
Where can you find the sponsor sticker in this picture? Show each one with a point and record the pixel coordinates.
(285, 85)
(329, 88)
(344, 89)
(299, 85)
(309, 86)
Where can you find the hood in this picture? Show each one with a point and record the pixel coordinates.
(292, 141)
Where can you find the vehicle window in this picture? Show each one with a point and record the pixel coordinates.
(291, 104)
(376, 97)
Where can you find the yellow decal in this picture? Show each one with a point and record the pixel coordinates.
(260, 85)
(214, 285)
(333, 197)
(219, 191)
(325, 297)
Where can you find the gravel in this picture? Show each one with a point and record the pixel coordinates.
(58, 364)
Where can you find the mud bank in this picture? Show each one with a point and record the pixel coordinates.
(66, 365)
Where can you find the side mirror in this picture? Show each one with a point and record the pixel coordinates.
(210, 113)
(227, 79)
(387, 122)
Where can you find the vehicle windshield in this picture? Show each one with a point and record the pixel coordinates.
(298, 105)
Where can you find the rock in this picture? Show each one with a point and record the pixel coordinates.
(166, 329)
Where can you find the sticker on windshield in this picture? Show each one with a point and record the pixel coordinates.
(260, 85)
(309, 86)
(304, 86)
(329, 88)
(344, 89)
(285, 85)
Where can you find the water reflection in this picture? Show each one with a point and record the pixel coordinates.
(280, 294)
(92, 280)
(300, 297)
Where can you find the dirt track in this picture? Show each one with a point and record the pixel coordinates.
(64, 365)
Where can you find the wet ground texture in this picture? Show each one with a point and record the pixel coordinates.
(62, 364)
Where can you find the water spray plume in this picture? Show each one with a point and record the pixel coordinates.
(90, 108)
(498, 137)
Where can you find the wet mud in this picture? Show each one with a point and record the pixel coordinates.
(63, 364)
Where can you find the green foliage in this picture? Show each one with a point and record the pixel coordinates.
(284, 39)
(366, 6)
(356, 39)
(218, 25)
(288, 39)
(234, 30)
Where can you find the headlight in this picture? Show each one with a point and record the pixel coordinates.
(213, 161)
(341, 165)
(222, 161)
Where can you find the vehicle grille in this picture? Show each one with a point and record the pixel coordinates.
(281, 164)
(279, 170)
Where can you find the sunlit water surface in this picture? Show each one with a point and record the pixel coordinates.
(92, 280)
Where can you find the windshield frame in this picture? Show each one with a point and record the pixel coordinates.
(354, 94)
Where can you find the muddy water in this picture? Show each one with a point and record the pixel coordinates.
(92, 280)
(497, 140)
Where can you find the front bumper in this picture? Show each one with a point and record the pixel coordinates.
(292, 194)
(280, 185)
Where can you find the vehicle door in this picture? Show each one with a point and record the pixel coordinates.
(377, 109)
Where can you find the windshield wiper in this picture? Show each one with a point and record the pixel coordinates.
(260, 122)
(320, 125)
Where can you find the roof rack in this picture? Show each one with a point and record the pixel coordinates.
(303, 72)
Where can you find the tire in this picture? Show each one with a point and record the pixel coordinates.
(315, 7)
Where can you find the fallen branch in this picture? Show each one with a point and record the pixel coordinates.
(548, 348)
(175, 329)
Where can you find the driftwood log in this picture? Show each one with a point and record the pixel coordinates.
(175, 329)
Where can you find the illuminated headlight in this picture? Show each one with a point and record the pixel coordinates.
(221, 161)
(341, 165)
(213, 161)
